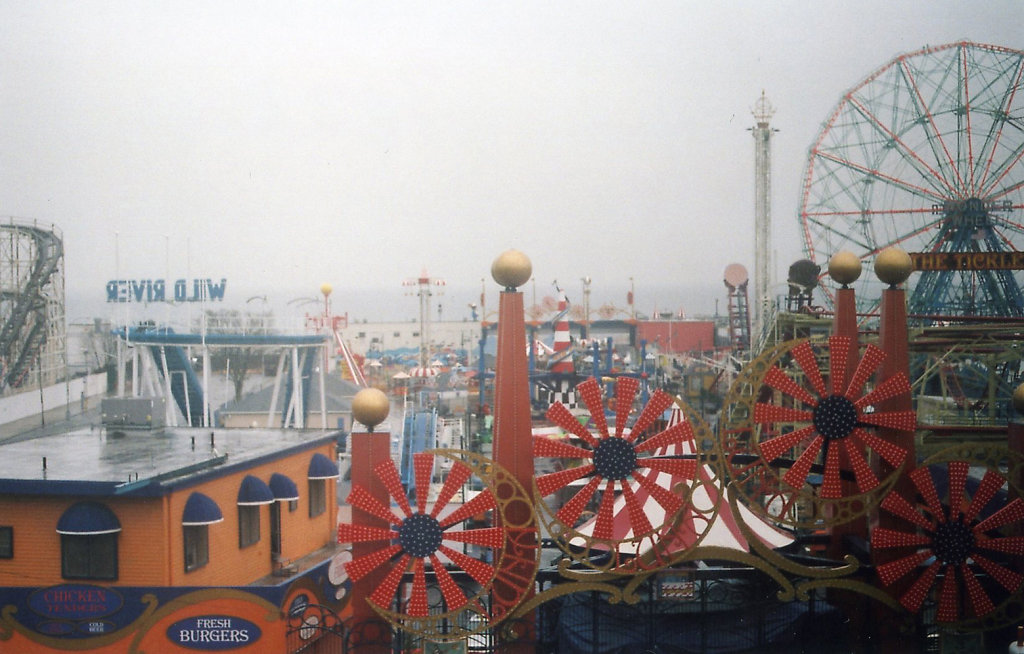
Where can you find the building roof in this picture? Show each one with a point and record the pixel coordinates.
(111, 462)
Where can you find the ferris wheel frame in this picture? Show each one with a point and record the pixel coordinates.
(927, 154)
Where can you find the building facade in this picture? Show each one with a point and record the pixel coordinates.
(165, 540)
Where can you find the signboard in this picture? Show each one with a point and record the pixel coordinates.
(85, 617)
(677, 587)
(967, 260)
(75, 602)
(158, 290)
(213, 632)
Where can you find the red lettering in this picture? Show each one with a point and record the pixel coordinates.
(513, 580)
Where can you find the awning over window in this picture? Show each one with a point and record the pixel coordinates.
(284, 489)
(88, 519)
(254, 492)
(320, 467)
(200, 510)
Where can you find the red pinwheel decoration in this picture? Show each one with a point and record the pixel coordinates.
(418, 537)
(838, 419)
(951, 538)
(614, 461)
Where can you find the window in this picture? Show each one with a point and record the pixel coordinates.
(317, 497)
(197, 546)
(200, 512)
(89, 556)
(293, 506)
(248, 525)
(275, 531)
(6, 542)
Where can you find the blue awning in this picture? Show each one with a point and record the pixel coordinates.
(88, 519)
(320, 467)
(254, 492)
(200, 510)
(284, 489)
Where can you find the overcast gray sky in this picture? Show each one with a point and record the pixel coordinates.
(284, 145)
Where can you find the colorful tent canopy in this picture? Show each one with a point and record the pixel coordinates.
(708, 495)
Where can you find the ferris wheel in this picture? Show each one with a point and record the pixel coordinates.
(927, 153)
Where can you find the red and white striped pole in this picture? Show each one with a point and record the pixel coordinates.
(563, 342)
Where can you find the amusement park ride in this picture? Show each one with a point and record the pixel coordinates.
(866, 453)
(817, 461)
(816, 445)
(925, 154)
(328, 323)
(32, 331)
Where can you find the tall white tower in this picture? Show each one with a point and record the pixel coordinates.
(424, 286)
(762, 132)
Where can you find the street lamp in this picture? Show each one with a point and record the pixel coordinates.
(586, 306)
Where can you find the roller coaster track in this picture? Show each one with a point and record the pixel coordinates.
(23, 301)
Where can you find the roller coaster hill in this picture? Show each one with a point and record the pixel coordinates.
(32, 325)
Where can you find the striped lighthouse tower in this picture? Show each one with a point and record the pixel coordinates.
(563, 372)
(561, 360)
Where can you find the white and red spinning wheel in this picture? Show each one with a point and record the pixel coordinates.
(961, 547)
(433, 541)
(616, 496)
(797, 440)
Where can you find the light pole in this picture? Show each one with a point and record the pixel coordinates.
(632, 299)
(586, 306)
(261, 324)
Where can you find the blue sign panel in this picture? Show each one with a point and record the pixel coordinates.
(213, 632)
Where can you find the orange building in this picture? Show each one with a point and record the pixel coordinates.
(165, 540)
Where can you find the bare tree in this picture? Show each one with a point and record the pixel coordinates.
(237, 361)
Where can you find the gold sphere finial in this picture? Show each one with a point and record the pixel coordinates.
(511, 269)
(1018, 399)
(326, 289)
(370, 407)
(893, 265)
(844, 267)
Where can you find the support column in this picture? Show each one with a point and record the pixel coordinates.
(1015, 441)
(369, 407)
(893, 266)
(513, 438)
(845, 268)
